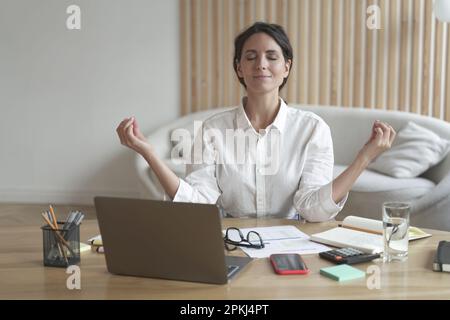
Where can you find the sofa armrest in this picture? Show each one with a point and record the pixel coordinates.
(439, 193)
(433, 210)
(439, 171)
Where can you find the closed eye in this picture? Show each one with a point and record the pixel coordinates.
(269, 58)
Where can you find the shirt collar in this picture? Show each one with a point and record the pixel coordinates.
(280, 120)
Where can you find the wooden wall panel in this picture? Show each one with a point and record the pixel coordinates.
(337, 59)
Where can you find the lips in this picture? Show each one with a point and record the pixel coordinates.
(261, 77)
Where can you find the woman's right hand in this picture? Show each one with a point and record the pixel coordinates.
(131, 137)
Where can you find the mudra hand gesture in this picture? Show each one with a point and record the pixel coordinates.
(382, 137)
(131, 136)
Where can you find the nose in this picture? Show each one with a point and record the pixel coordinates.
(261, 63)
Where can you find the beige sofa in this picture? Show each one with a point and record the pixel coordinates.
(350, 128)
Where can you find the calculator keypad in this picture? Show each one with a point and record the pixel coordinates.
(348, 256)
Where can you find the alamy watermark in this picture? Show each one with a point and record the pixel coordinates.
(373, 21)
(227, 146)
(373, 281)
(73, 21)
(74, 280)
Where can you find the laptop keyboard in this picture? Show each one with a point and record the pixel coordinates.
(231, 269)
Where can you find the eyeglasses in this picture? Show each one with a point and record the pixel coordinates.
(234, 238)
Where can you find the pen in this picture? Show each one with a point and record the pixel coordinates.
(72, 222)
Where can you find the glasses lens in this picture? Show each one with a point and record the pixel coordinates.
(254, 238)
(230, 247)
(233, 235)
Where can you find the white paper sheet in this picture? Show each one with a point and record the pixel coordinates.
(282, 239)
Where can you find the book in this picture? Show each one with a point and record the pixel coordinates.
(96, 244)
(95, 241)
(442, 258)
(98, 249)
(361, 233)
(84, 247)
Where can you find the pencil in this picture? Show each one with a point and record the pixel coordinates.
(53, 228)
(54, 217)
(61, 249)
(44, 215)
(47, 220)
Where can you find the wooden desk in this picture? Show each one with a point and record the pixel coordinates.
(22, 275)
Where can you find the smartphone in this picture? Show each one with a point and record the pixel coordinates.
(288, 263)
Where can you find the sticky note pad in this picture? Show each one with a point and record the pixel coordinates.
(342, 272)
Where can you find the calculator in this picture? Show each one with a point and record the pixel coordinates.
(348, 256)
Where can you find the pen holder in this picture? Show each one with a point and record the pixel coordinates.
(62, 246)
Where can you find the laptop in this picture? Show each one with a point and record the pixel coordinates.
(164, 239)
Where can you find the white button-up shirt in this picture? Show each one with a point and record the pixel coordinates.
(286, 172)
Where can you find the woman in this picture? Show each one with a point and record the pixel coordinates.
(302, 184)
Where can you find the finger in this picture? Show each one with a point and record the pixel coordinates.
(122, 124)
(386, 131)
(119, 131)
(136, 130)
(128, 124)
(377, 124)
(129, 134)
(374, 133)
(126, 131)
(374, 127)
(379, 133)
(122, 131)
(135, 123)
(383, 126)
(393, 135)
(120, 137)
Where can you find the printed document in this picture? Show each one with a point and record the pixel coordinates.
(282, 239)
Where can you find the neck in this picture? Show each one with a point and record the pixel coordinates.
(262, 110)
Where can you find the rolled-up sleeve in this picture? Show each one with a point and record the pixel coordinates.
(200, 184)
(313, 199)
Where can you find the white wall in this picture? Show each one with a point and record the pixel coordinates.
(63, 92)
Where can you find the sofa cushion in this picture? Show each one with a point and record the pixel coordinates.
(371, 189)
(414, 151)
(371, 181)
(369, 204)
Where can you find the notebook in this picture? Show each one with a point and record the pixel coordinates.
(84, 247)
(442, 259)
(95, 241)
(361, 233)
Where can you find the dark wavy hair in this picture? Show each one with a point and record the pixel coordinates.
(273, 30)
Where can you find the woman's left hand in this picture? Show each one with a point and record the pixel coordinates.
(382, 137)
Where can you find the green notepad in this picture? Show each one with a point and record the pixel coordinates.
(342, 272)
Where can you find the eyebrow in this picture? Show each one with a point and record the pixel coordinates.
(254, 51)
